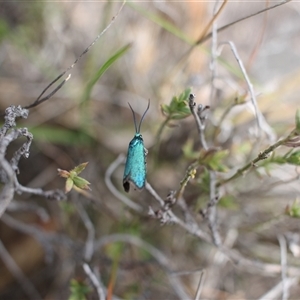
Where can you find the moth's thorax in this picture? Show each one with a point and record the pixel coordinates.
(137, 139)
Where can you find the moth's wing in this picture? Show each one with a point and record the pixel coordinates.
(135, 167)
(138, 171)
(127, 170)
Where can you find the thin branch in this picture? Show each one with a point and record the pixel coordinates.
(89, 244)
(41, 212)
(152, 191)
(213, 65)
(200, 285)
(23, 150)
(261, 121)
(208, 36)
(92, 276)
(276, 291)
(261, 156)
(56, 195)
(255, 266)
(282, 243)
(189, 174)
(213, 19)
(40, 98)
(165, 263)
(202, 273)
(249, 265)
(7, 192)
(110, 170)
(200, 124)
(212, 210)
(192, 228)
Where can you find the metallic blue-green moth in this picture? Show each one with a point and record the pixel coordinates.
(136, 167)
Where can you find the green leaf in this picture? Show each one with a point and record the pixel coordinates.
(228, 202)
(290, 157)
(101, 71)
(185, 94)
(79, 290)
(165, 109)
(205, 182)
(213, 159)
(114, 250)
(73, 179)
(69, 185)
(62, 136)
(4, 29)
(178, 108)
(188, 150)
(67, 207)
(294, 158)
(277, 160)
(81, 183)
(78, 169)
(294, 210)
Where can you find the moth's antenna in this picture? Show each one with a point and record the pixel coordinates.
(134, 120)
(144, 115)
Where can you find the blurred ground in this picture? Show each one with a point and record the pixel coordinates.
(41, 39)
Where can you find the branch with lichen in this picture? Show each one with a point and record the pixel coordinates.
(9, 169)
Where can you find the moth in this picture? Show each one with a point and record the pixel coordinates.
(136, 166)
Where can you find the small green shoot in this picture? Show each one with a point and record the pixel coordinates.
(177, 110)
(79, 290)
(228, 202)
(73, 180)
(293, 210)
(110, 61)
(212, 159)
(291, 157)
